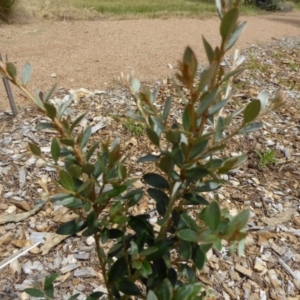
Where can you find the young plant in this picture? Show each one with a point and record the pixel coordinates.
(156, 258)
(135, 128)
(266, 158)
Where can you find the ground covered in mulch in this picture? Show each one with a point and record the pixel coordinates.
(267, 184)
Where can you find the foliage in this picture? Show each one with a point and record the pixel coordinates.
(266, 158)
(6, 7)
(134, 127)
(269, 5)
(155, 258)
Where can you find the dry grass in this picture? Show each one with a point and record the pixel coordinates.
(27, 10)
(117, 9)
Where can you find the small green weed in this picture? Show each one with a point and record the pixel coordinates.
(255, 64)
(293, 65)
(134, 127)
(266, 158)
(115, 117)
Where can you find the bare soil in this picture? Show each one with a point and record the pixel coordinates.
(91, 54)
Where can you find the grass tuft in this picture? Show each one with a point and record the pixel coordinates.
(6, 9)
(266, 158)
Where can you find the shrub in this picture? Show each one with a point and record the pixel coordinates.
(155, 258)
(269, 5)
(6, 8)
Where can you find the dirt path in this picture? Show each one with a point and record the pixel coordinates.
(92, 54)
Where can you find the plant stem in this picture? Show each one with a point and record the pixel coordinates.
(102, 265)
(125, 251)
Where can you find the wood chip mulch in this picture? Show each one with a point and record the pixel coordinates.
(270, 266)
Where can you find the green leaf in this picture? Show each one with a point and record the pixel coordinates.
(133, 197)
(62, 108)
(70, 202)
(153, 137)
(195, 199)
(67, 142)
(156, 181)
(49, 94)
(71, 227)
(50, 279)
(90, 231)
(252, 111)
(110, 194)
(140, 226)
(164, 291)
(92, 150)
(55, 149)
(264, 99)
(166, 164)
(148, 157)
(190, 59)
(173, 136)
(189, 222)
(232, 163)
(151, 296)
(77, 121)
(233, 73)
(234, 37)
(86, 136)
(75, 171)
(117, 270)
(212, 216)
(91, 217)
(35, 149)
(96, 295)
(26, 73)
(198, 147)
(145, 269)
(188, 235)
(127, 287)
(220, 126)
(184, 292)
(199, 258)
(251, 127)
(219, 8)
(51, 110)
(66, 180)
(208, 50)
(185, 249)
(196, 173)
(34, 293)
(149, 251)
(135, 117)
(161, 199)
(188, 117)
(205, 238)
(208, 186)
(74, 297)
(228, 23)
(167, 108)
(238, 222)
(207, 76)
(135, 86)
(88, 169)
(11, 70)
(217, 107)
(158, 122)
(206, 101)
(44, 125)
(158, 195)
(38, 99)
